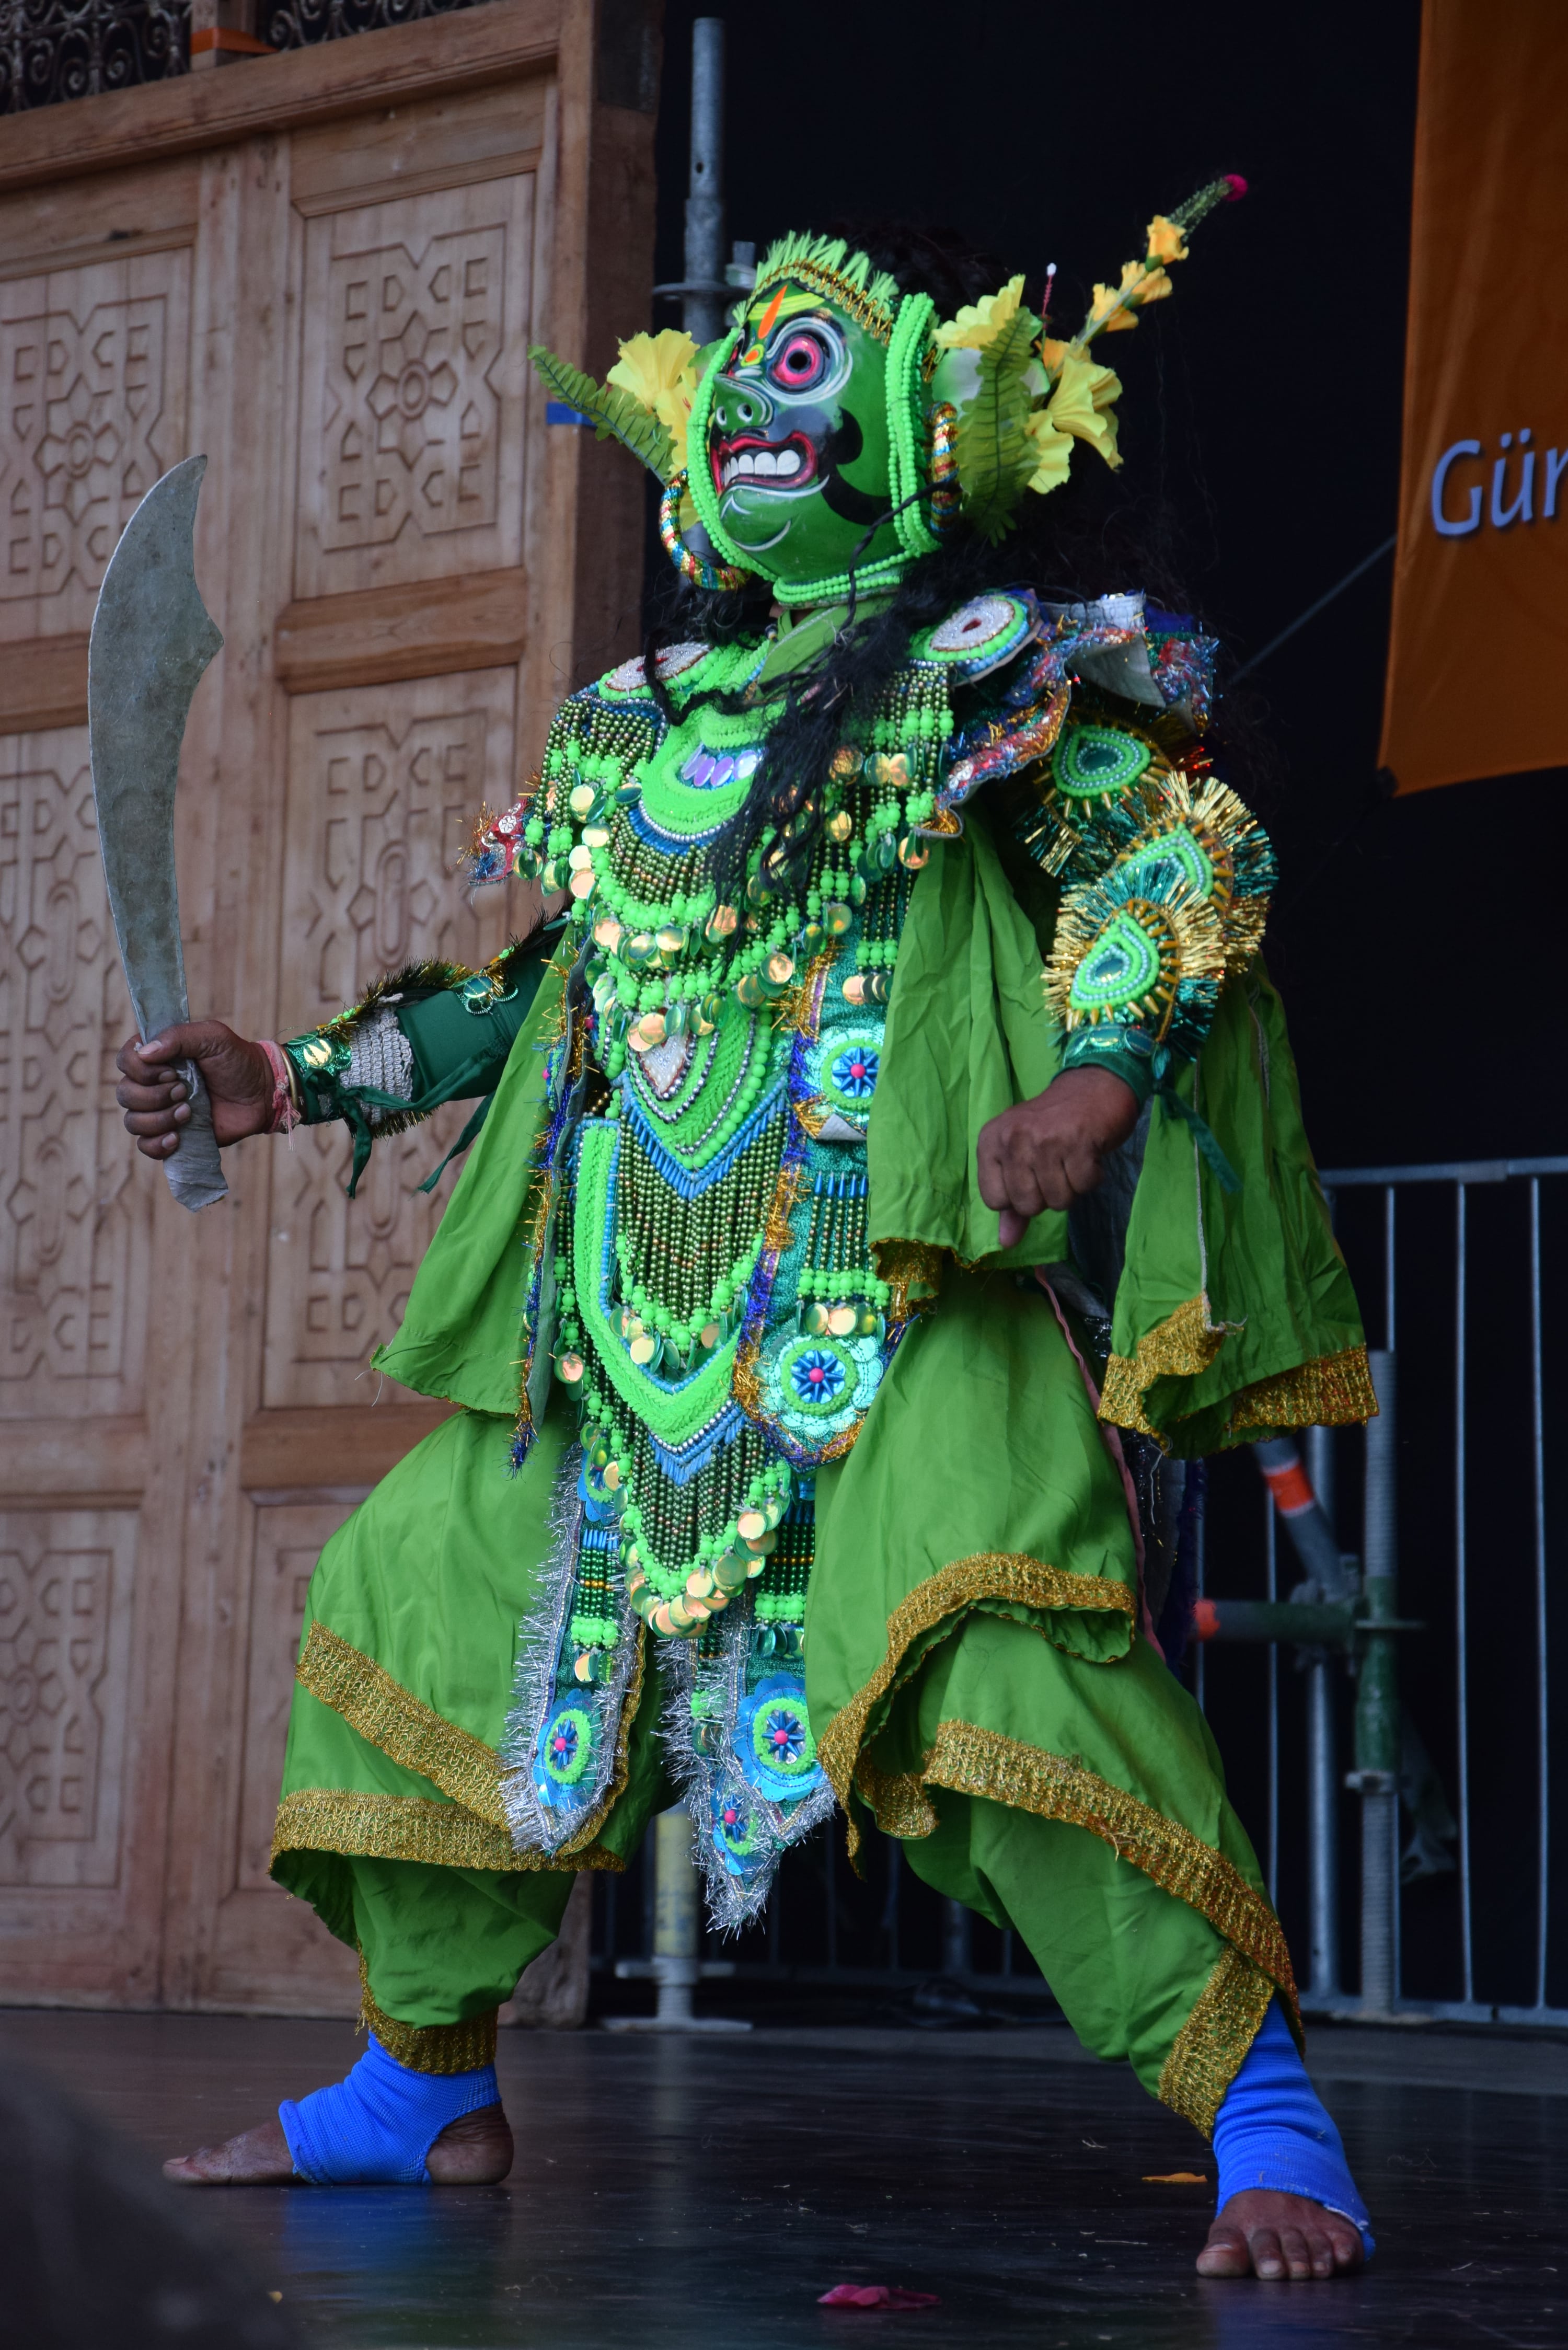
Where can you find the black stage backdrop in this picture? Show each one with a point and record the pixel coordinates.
(1262, 401)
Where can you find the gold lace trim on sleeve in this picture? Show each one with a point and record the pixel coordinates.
(1329, 1391)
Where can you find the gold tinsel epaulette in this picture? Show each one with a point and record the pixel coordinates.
(429, 2047)
(1210, 2047)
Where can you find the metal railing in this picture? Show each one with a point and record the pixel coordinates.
(1408, 1675)
(1523, 1177)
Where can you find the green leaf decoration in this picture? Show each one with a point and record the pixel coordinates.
(617, 416)
(996, 454)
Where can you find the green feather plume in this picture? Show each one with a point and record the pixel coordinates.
(617, 416)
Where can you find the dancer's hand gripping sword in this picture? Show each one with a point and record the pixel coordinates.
(152, 638)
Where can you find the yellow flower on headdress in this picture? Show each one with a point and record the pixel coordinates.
(660, 371)
(1083, 404)
(980, 323)
(1052, 452)
(1082, 408)
(1167, 239)
(1112, 307)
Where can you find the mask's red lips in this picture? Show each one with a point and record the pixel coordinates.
(753, 461)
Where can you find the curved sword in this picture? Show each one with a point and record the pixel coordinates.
(152, 638)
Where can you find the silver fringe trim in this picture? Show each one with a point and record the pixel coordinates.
(733, 1902)
(542, 1640)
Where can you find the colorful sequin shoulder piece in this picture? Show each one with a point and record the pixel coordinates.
(702, 1284)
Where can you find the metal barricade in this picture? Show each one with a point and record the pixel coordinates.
(1342, 1619)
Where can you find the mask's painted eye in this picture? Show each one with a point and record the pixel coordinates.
(800, 359)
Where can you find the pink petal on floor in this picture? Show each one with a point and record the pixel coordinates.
(876, 2296)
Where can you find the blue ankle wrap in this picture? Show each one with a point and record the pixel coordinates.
(375, 2128)
(1271, 2130)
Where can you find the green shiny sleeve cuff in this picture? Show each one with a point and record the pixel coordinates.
(475, 1022)
(1126, 1052)
(318, 1065)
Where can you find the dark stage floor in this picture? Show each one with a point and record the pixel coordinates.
(701, 2194)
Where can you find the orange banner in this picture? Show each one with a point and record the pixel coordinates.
(1476, 653)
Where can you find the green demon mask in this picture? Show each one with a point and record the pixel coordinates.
(798, 463)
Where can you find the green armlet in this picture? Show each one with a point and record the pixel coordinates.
(477, 1018)
(1126, 1052)
(460, 1030)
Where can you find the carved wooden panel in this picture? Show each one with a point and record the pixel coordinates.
(288, 1540)
(383, 788)
(93, 382)
(73, 1221)
(66, 1580)
(324, 270)
(416, 314)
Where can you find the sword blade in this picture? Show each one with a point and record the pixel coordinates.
(152, 638)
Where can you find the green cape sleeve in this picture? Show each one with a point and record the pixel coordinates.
(1235, 1315)
(967, 1037)
(464, 1334)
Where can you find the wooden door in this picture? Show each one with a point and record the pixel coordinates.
(324, 270)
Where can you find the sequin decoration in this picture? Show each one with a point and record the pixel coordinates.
(672, 662)
(1090, 761)
(982, 634)
(815, 1388)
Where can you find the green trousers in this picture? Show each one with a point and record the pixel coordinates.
(442, 1945)
(978, 1685)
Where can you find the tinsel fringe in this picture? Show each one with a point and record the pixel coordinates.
(732, 1902)
(540, 1640)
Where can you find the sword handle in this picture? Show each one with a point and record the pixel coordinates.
(195, 1175)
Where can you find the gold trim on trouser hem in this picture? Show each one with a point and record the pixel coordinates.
(412, 1828)
(429, 2047)
(1011, 1575)
(388, 1716)
(1208, 2051)
(412, 1734)
(976, 1762)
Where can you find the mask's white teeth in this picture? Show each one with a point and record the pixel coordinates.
(788, 461)
(764, 461)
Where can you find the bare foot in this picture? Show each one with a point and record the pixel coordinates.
(475, 2151)
(1265, 2234)
(257, 2158)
